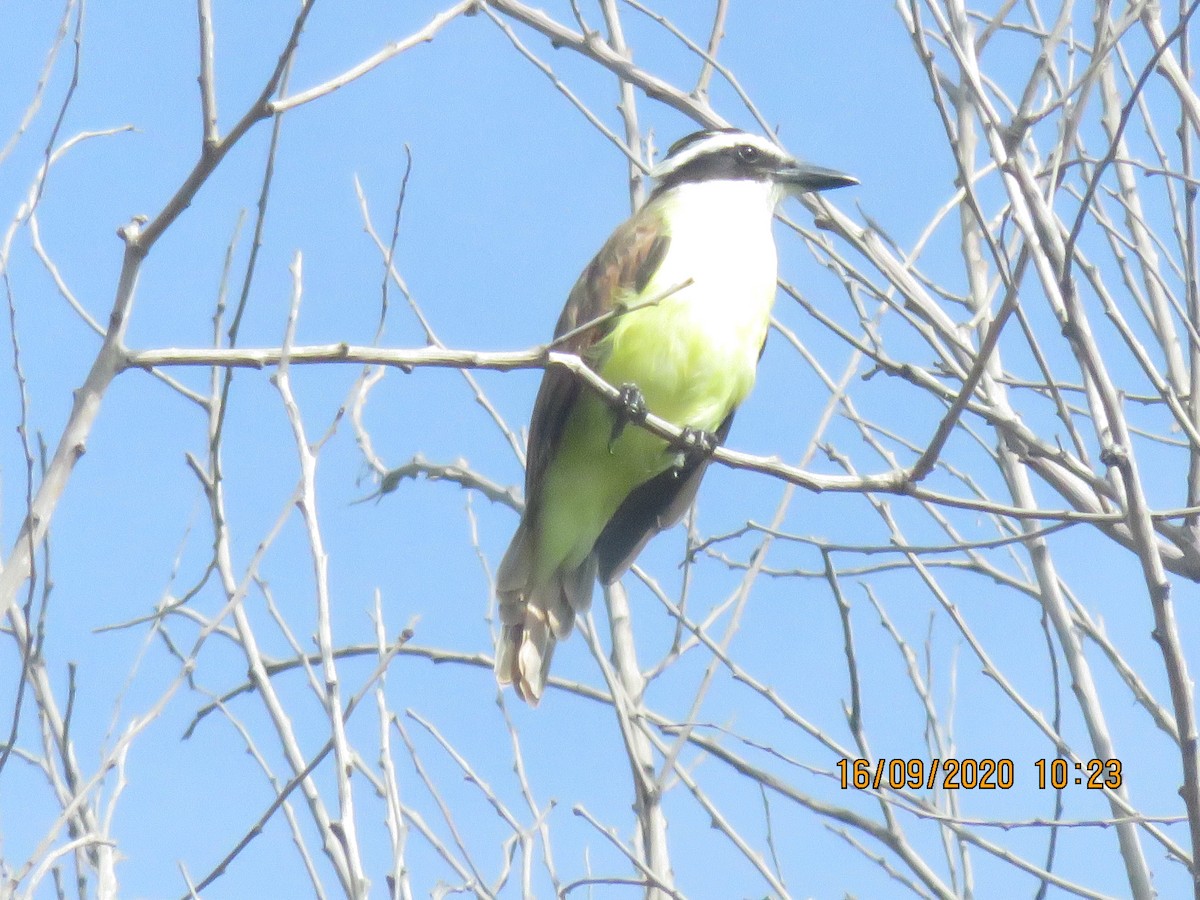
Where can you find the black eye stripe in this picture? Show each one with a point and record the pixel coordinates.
(736, 162)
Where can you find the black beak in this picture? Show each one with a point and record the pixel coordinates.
(800, 178)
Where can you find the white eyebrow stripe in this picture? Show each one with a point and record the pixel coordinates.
(713, 143)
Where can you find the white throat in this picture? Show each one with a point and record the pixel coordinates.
(721, 239)
(720, 208)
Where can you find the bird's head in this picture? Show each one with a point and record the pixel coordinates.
(728, 154)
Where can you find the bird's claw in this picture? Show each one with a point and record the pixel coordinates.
(697, 443)
(631, 408)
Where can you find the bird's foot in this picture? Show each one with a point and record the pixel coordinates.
(632, 408)
(696, 443)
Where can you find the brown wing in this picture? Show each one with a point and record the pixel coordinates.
(623, 267)
(650, 508)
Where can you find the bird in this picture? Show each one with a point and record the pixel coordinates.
(673, 310)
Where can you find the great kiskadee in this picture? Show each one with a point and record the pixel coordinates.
(696, 269)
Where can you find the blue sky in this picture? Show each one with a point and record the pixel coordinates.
(510, 192)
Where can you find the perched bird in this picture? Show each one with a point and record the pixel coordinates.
(681, 295)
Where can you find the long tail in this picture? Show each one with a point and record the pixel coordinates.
(534, 616)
